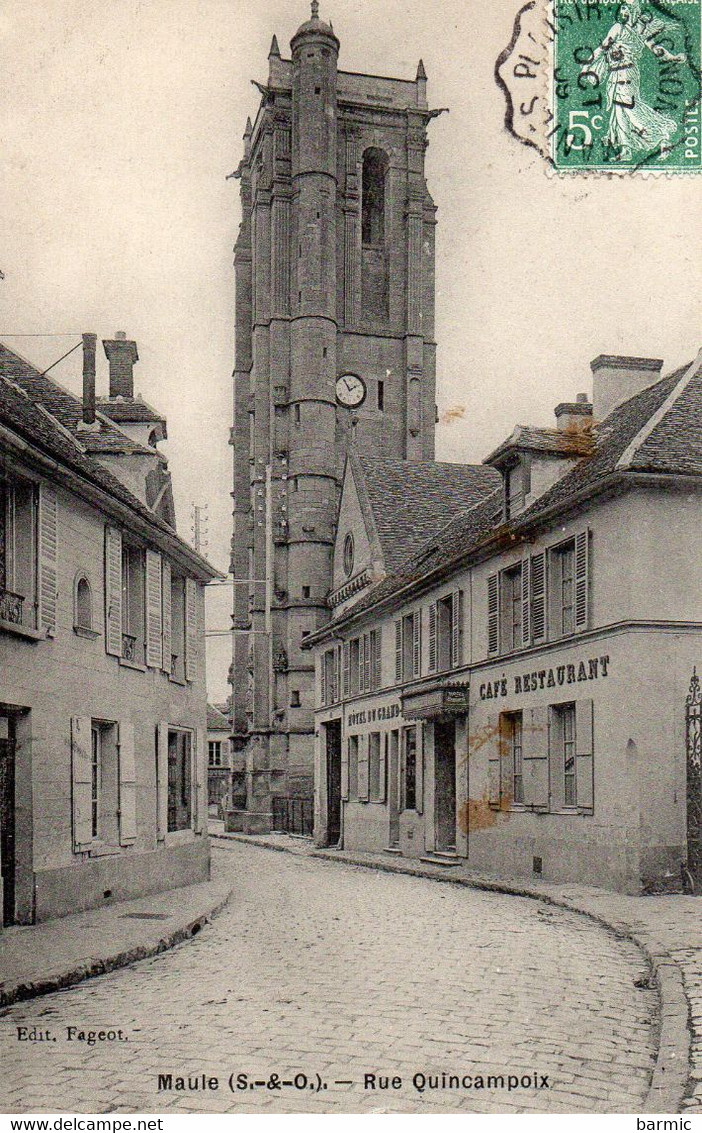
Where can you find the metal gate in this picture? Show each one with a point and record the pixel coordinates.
(693, 710)
(293, 816)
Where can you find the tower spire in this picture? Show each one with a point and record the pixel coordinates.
(275, 50)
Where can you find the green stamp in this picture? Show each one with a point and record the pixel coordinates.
(626, 86)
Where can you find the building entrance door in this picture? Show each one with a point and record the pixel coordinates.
(445, 784)
(693, 733)
(392, 739)
(333, 739)
(7, 817)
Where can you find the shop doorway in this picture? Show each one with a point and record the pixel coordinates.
(692, 875)
(445, 785)
(333, 751)
(7, 817)
(392, 739)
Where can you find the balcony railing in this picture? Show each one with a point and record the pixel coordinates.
(128, 647)
(11, 607)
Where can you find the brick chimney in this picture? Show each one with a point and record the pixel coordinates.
(89, 347)
(616, 378)
(574, 416)
(121, 354)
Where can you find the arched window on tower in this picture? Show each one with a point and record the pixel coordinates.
(375, 165)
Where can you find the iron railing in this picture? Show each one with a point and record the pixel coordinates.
(11, 607)
(293, 816)
(129, 647)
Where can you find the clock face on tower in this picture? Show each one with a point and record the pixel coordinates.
(350, 390)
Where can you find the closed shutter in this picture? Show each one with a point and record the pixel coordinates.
(166, 615)
(48, 557)
(535, 758)
(584, 756)
(113, 591)
(493, 613)
(398, 652)
(494, 760)
(582, 582)
(456, 628)
(538, 596)
(345, 771)
(432, 638)
(127, 785)
(417, 643)
(162, 779)
(191, 658)
(376, 639)
(334, 676)
(324, 692)
(363, 769)
(347, 667)
(419, 771)
(383, 769)
(199, 780)
(366, 662)
(526, 601)
(81, 776)
(154, 611)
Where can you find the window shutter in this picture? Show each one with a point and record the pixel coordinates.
(190, 629)
(398, 652)
(154, 611)
(166, 614)
(383, 769)
(365, 663)
(535, 758)
(345, 771)
(456, 628)
(417, 643)
(363, 769)
(162, 779)
(494, 760)
(48, 556)
(113, 591)
(127, 785)
(493, 613)
(81, 774)
(323, 677)
(526, 601)
(538, 596)
(432, 638)
(584, 756)
(347, 667)
(199, 780)
(582, 582)
(419, 769)
(376, 638)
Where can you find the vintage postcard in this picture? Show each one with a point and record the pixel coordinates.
(350, 544)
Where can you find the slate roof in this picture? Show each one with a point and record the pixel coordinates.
(132, 410)
(555, 442)
(657, 431)
(62, 405)
(30, 419)
(412, 500)
(216, 720)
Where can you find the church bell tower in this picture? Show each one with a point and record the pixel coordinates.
(334, 266)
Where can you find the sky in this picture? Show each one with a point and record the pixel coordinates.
(119, 123)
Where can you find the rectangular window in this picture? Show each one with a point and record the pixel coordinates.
(177, 658)
(562, 589)
(355, 666)
(179, 780)
(381, 396)
(295, 701)
(511, 620)
(409, 769)
(444, 626)
(133, 596)
(564, 752)
(375, 792)
(95, 781)
(18, 553)
(410, 646)
(215, 753)
(513, 737)
(353, 767)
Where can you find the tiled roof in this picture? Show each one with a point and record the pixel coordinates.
(62, 405)
(412, 500)
(132, 410)
(216, 720)
(556, 442)
(30, 419)
(658, 430)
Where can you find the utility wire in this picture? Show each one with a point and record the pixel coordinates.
(61, 334)
(61, 358)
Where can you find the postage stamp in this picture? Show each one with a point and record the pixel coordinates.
(606, 87)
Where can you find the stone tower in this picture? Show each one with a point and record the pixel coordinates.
(334, 271)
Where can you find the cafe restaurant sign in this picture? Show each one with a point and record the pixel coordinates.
(591, 669)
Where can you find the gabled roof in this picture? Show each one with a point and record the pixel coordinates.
(412, 500)
(554, 442)
(216, 720)
(29, 418)
(64, 407)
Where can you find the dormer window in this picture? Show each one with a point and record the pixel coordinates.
(517, 486)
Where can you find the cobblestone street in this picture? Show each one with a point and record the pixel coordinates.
(325, 969)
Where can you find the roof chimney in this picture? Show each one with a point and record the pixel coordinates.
(616, 378)
(121, 354)
(89, 348)
(574, 416)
